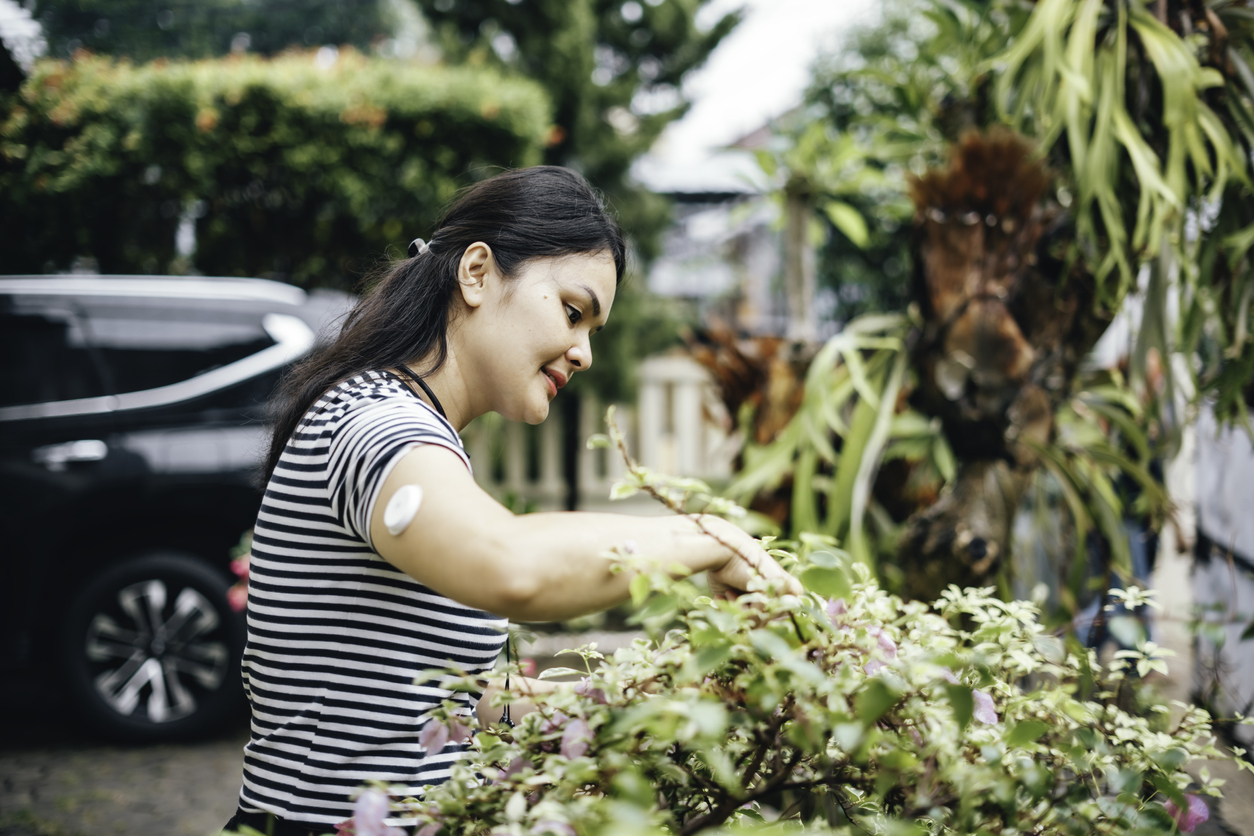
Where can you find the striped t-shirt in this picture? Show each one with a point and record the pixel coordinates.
(336, 634)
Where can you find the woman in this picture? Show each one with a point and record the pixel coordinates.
(495, 314)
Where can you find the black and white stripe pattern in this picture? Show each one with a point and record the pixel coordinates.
(336, 634)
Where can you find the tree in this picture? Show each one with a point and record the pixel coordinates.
(142, 30)
(613, 68)
(1052, 153)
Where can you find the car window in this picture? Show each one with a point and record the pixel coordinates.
(145, 344)
(45, 357)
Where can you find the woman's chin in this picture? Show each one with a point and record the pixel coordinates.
(530, 413)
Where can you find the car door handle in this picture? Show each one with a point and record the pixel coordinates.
(57, 456)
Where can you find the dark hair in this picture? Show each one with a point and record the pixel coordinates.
(530, 213)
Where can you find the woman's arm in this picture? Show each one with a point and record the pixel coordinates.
(545, 567)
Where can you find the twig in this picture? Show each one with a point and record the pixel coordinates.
(634, 468)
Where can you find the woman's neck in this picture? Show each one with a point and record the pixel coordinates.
(448, 386)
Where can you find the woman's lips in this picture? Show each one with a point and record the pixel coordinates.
(556, 378)
(548, 379)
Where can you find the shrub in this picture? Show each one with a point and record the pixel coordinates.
(847, 710)
(293, 170)
(865, 714)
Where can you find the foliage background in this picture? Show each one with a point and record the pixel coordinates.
(293, 170)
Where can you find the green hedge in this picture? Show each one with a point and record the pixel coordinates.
(296, 171)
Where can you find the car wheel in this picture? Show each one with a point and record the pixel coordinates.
(151, 649)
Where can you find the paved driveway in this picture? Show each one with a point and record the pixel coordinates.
(58, 781)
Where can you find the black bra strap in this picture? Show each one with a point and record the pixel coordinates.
(505, 718)
(423, 384)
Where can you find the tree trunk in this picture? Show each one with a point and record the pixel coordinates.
(1006, 322)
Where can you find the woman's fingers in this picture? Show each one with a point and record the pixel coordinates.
(748, 569)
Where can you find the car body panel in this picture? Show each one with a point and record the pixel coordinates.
(98, 463)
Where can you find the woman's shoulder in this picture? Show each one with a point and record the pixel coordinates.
(379, 388)
(371, 385)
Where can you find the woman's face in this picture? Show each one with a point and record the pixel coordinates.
(530, 335)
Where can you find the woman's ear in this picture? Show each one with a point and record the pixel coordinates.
(475, 272)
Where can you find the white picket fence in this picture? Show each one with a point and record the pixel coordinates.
(675, 426)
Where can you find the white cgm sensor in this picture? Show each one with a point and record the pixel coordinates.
(401, 509)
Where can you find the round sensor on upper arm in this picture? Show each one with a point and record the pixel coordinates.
(402, 508)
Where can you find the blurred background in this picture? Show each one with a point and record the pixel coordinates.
(191, 194)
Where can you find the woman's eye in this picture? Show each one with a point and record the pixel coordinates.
(573, 314)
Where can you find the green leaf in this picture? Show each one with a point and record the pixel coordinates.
(897, 827)
(868, 467)
(1127, 630)
(1168, 788)
(849, 221)
(1025, 732)
(962, 702)
(1051, 648)
(622, 490)
(1171, 759)
(769, 644)
(550, 673)
(828, 582)
(824, 558)
(707, 659)
(848, 736)
(710, 717)
(639, 589)
(1124, 780)
(876, 698)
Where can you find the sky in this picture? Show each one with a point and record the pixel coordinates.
(759, 71)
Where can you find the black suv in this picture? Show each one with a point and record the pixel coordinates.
(132, 421)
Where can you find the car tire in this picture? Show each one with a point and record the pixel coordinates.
(150, 650)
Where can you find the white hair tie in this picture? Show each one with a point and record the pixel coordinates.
(418, 247)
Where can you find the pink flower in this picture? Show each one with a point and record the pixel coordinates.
(237, 596)
(1189, 818)
(515, 766)
(240, 566)
(585, 689)
(575, 739)
(553, 723)
(345, 828)
(836, 608)
(887, 645)
(436, 734)
(457, 732)
(985, 712)
(559, 828)
(949, 676)
(873, 667)
(433, 737)
(527, 666)
(369, 814)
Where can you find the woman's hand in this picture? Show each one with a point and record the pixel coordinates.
(748, 568)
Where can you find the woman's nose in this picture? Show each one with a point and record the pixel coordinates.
(579, 355)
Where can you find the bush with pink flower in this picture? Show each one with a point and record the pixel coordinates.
(843, 711)
(851, 713)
